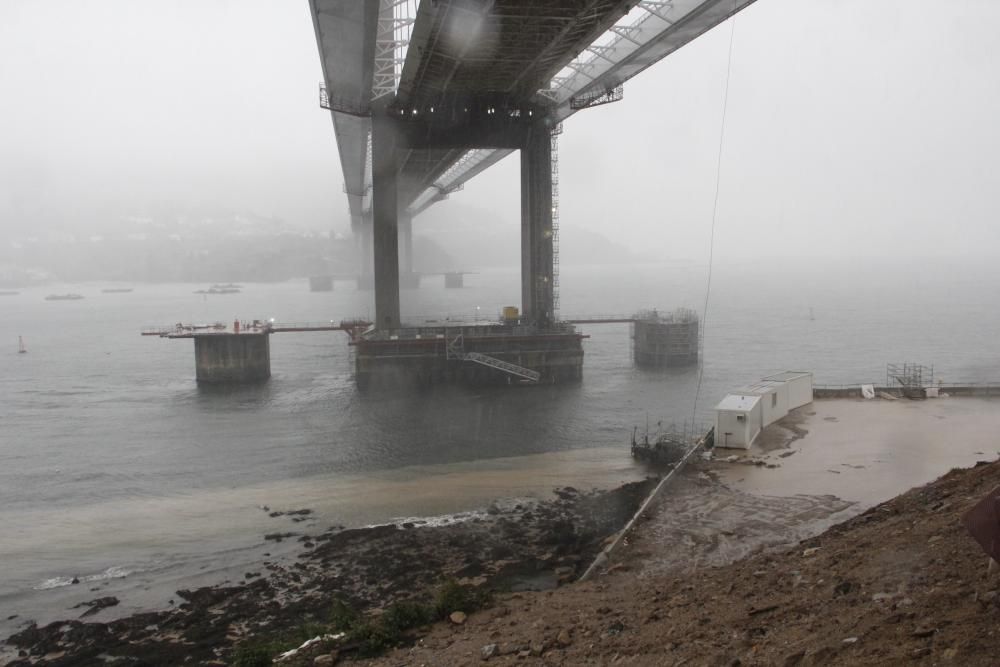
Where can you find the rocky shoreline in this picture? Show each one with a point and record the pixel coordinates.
(531, 545)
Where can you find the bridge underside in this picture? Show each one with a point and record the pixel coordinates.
(422, 102)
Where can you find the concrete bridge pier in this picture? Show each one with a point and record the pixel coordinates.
(537, 288)
(407, 278)
(363, 235)
(232, 358)
(385, 209)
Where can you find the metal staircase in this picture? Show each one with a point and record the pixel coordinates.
(456, 350)
(501, 365)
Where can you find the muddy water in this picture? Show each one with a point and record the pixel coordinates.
(200, 526)
(116, 468)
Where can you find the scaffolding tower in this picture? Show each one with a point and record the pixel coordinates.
(666, 340)
(554, 138)
(910, 378)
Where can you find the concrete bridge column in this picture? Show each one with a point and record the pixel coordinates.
(405, 242)
(536, 227)
(385, 232)
(365, 252)
(408, 279)
(361, 225)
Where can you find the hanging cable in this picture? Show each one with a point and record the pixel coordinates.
(715, 211)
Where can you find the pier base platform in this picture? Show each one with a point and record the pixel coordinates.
(232, 358)
(454, 354)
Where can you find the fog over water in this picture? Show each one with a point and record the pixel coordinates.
(861, 128)
(857, 225)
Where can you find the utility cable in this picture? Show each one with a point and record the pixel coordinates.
(715, 211)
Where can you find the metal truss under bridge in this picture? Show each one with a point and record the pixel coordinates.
(424, 57)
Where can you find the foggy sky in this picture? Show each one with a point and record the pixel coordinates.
(854, 127)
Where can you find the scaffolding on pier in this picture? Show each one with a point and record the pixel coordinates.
(910, 378)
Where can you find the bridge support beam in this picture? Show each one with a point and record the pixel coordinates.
(537, 302)
(385, 231)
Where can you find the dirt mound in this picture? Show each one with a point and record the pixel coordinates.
(900, 583)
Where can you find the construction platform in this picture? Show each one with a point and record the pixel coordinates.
(473, 354)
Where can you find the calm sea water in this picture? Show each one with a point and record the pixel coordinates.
(117, 469)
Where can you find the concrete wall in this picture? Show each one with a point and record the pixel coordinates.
(409, 363)
(232, 358)
(951, 390)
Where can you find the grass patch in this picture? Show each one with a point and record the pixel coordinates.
(261, 652)
(255, 654)
(452, 596)
(372, 635)
(343, 617)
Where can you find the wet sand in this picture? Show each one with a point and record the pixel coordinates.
(868, 451)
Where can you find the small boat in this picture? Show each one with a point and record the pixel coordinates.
(21, 349)
(227, 286)
(8, 293)
(116, 290)
(64, 297)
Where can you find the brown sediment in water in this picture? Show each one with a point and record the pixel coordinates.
(707, 568)
(538, 544)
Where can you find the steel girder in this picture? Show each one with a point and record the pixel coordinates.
(345, 35)
(650, 32)
(542, 52)
(472, 47)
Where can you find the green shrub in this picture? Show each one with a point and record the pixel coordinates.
(372, 638)
(343, 617)
(452, 596)
(401, 616)
(252, 655)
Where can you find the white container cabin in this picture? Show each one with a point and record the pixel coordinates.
(773, 399)
(800, 387)
(737, 421)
